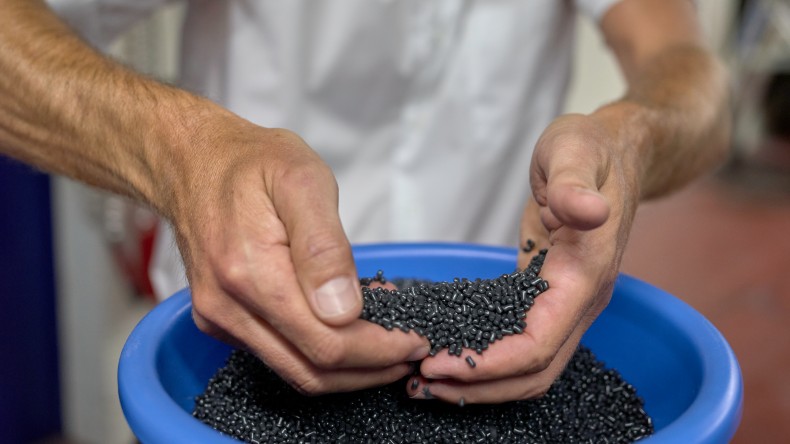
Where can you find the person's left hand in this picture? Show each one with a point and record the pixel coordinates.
(585, 186)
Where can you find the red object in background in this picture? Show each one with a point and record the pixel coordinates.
(135, 266)
(131, 231)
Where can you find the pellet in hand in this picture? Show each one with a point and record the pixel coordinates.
(588, 403)
(450, 314)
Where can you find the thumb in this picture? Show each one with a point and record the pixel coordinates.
(572, 195)
(320, 251)
(567, 169)
(573, 198)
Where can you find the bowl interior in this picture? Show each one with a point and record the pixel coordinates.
(678, 362)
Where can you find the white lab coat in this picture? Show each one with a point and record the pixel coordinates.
(427, 111)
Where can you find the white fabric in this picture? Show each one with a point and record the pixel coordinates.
(594, 9)
(427, 111)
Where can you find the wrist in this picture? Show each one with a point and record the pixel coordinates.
(196, 151)
(176, 146)
(631, 129)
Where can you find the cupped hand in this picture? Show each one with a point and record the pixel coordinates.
(270, 268)
(585, 191)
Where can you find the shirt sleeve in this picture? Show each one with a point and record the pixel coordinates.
(595, 9)
(101, 21)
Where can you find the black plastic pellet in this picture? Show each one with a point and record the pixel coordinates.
(587, 403)
(245, 388)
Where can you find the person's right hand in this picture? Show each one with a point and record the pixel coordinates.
(270, 268)
(254, 210)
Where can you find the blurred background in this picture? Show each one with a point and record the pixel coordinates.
(73, 259)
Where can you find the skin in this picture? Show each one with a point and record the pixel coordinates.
(588, 174)
(255, 209)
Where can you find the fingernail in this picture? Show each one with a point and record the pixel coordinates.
(336, 297)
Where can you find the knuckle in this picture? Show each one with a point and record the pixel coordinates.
(311, 174)
(232, 274)
(540, 390)
(542, 360)
(328, 353)
(283, 133)
(306, 379)
(311, 386)
(323, 247)
(210, 312)
(201, 322)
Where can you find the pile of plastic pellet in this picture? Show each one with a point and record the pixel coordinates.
(587, 404)
(461, 314)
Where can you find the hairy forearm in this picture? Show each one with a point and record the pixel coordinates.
(69, 110)
(674, 117)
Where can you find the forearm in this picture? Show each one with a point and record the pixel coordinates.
(674, 118)
(675, 115)
(67, 109)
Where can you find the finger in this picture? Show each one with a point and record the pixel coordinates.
(261, 277)
(358, 344)
(306, 200)
(260, 339)
(575, 204)
(568, 169)
(510, 388)
(556, 314)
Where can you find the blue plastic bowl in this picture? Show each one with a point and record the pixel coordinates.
(679, 363)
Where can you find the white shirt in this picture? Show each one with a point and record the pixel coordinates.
(426, 111)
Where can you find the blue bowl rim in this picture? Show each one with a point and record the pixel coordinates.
(145, 401)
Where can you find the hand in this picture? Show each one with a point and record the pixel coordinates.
(585, 187)
(255, 215)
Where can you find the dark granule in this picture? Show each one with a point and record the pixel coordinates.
(457, 315)
(587, 404)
